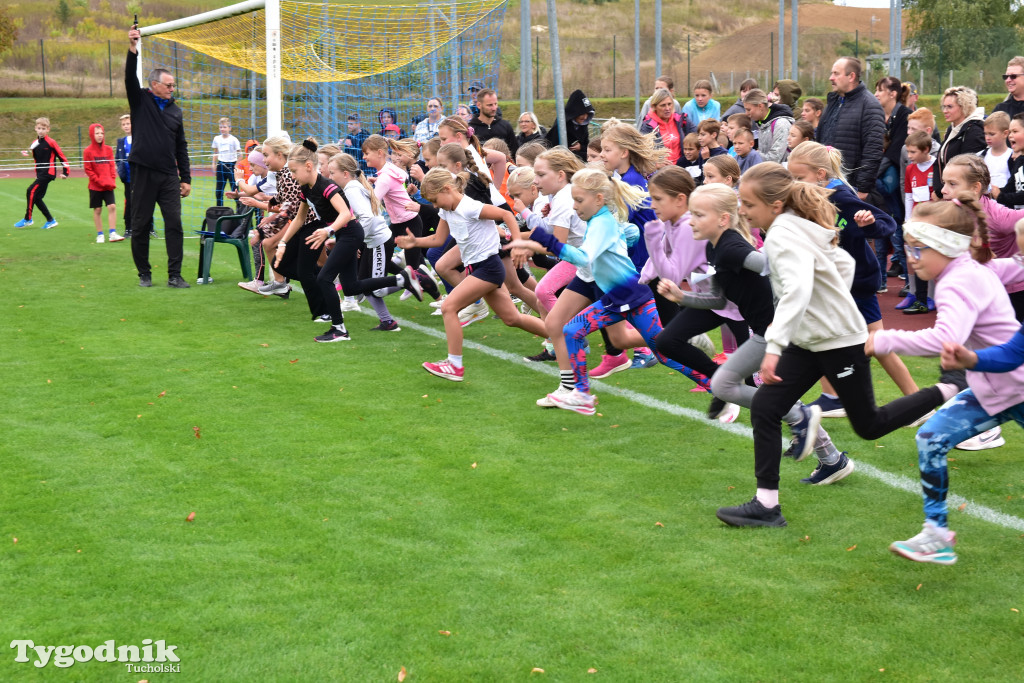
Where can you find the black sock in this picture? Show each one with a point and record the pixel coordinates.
(609, 348)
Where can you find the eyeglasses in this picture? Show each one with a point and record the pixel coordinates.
(1011, 77)
(914, 252)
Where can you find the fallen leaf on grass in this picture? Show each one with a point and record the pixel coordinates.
(150, 404)
(473, 466)
(191, 517)
(614, 426)
(15, 539)
(265, 345)
(196, 431)
(852, 547)
(137, 416)
(962, 506)
(401, 675)
(122, 319)
(880, 670)
(730, 488)
(805, 539)
(599, 414)
(919, 586)
(161, 394)
(536, 670)
(445, 633)
(424, 395)
(1012, 609)
(659, 524)
(564, 429)
(591, 670)
(49, 381)
(294, 361)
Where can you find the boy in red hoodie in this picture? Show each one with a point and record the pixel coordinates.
(98, 160)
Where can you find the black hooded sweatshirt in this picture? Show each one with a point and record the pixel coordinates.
(578, 104)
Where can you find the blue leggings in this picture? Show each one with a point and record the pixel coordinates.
(958, 420)
(595, 317)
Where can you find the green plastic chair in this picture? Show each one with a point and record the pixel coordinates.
(222, 226)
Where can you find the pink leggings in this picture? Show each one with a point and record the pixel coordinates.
(556, 278)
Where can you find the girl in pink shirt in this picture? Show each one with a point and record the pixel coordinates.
(972, 308)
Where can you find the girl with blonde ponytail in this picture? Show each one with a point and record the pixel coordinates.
(816, 330)
(603, 203)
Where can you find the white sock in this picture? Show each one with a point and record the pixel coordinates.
(455, 360)
(567, 379)
(340, 328)
(400, 280)
(768, 497)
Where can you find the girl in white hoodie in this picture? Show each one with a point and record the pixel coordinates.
(817, 330)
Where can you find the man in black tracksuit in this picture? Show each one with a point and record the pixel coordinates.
(158, 164)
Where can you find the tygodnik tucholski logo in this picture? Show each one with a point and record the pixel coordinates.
(154, 656)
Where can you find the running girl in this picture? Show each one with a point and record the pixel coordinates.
(817, 330)
(603, 251)
(722, 169)
(335, 221)
(472, 224)
(972, 308)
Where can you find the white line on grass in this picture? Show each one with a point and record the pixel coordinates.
(895, 481)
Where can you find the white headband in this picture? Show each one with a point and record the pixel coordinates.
(946, 242)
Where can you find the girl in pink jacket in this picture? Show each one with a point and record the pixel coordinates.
(948, 242)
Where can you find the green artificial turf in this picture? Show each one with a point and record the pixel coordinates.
(340, 525)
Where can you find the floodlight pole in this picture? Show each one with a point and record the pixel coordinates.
(525, 77)
(782, 42)
(556, 72)
(794, 41)
(636, 63)
(274, 91)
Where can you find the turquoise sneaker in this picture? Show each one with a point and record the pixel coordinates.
(54, 224)
(928, 546)
(23, 223)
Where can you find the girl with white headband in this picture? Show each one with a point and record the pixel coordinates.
(972, 308)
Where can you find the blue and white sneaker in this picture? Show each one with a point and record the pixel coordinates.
(54, 224)
(805, 432)
(23, 223)
(830, 474)
(931, 545)
(830, 407)
(643, 360)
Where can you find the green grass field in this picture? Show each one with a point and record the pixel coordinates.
(340, 525)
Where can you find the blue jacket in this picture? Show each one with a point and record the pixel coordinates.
(121, 159)
(854, 239)
(639, 217)
(604, 250)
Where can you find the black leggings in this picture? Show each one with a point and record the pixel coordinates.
(674, 340)
(849, 371)
(299, 263)
(343, 263)
(413, 256)
(1017, 299)
(34, 197)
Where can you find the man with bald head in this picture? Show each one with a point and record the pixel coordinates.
(853, 123)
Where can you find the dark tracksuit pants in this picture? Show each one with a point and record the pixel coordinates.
(151, 188)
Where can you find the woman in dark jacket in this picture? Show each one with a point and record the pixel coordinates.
(966, 133)
(530, 129)
(892, 94)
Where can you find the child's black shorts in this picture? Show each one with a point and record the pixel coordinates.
(98, 198)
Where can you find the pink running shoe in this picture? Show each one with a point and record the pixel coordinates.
(609, 365)
(703, 383)
(445, 369)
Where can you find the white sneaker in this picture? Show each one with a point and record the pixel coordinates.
(99, 238)
(349, 303)
(993, 438)
(546, 402)
(437, 311)
(114, 237)
(576, 401)
(399, 258)
(405, 295)
(704, 343)
(525, 310)
(199, 280)
(472, 313)
(437, 304)
(731, 412)
(251, 286)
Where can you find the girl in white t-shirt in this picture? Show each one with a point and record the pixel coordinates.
(226, 148)
(472, 224)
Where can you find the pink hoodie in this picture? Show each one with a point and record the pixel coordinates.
(1001, 235)
(972, 309)
(390, 189)
(674, 253)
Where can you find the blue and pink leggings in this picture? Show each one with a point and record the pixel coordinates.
(595, 317)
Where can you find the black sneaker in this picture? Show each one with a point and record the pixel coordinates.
(324, 319)
(883, 289)
(412, 283)
(715, 408)
(390, 326)
(428, 284)
(540, 357)
(916, 308)
(830, 474)
(177, 282)
(752, 513)
(332, 335)
(905, 291)
(894, 270)
(145, 281)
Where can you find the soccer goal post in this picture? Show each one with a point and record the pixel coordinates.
(320, 69)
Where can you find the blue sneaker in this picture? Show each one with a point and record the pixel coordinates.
(643, 360)
(931, 304)
(829, 474)
(54, 224)
(907, 302)
(806, 431)
(23, 223)
(830, 407)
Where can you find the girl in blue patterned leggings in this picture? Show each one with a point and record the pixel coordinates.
(603, 203)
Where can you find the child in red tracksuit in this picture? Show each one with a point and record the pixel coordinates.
(98, 160)
(46, 154)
